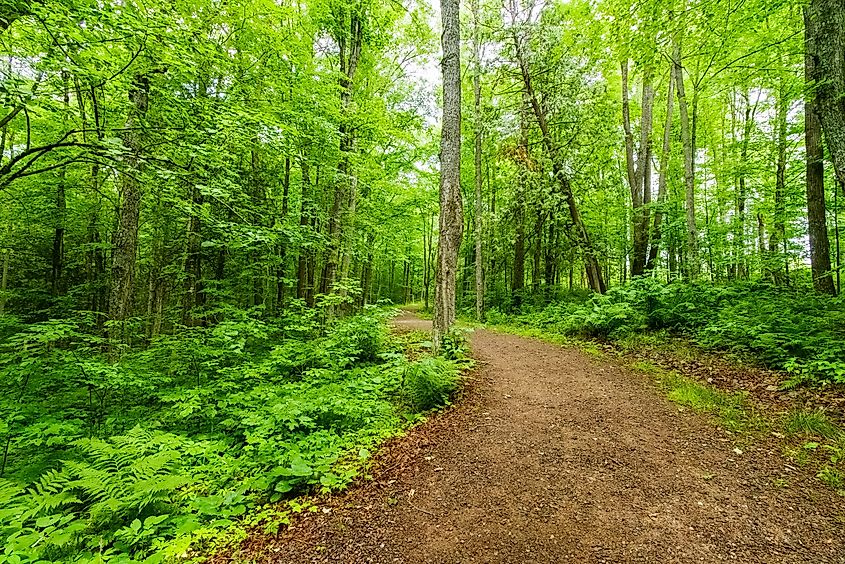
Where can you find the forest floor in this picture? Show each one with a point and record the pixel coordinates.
(554, 455)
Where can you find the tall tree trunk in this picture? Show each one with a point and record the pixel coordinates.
(742, 195)
(4, 275)
(451, 205)
(479, 224)
(662, 176)
(518, 276)
(639, 171)
(692, 263)
(827, 19)
(283, 246)
(126, 238)
(57, 262)
(350, 43)
(778, 234)
(816, 213)
(192, 272)
(304, 222)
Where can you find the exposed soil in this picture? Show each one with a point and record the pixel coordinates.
(554, 456)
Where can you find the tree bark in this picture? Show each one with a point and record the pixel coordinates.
(518, 275)
(595, 277)
(639, 171)
(692, 262)
(816, 213)
(662, 176)
(126, 238)
(451, 205)
(4, 276)
(193, 258)
(350, 43)
(479, 224)
(827, 19)
(57, 262)
(742, 195)
(778, 234)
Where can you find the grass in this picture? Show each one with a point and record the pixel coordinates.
(731, 410)
(813, 423)
(817, 437)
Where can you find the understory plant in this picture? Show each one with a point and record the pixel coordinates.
(798, 332)
(134, 459)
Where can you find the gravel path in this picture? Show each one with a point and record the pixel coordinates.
(555, 456)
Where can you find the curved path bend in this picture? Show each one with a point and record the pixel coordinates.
(560, 457)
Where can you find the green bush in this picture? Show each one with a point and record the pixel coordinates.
(799, 332)
(124, 460)
(430, 382)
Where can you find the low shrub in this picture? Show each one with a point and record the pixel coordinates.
(430, 382)
(802, 333)
(129, 460)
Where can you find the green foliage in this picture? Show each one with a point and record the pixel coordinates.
(453, 345)
(798, 332)
(137, 457)
(815, 422)
(429, 383)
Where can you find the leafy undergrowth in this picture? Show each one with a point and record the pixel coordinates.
(798, 332)
(808, 436)
(197, 437)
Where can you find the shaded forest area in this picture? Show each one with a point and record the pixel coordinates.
(206, 208)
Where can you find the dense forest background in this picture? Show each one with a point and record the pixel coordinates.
(159, 165)
(201, 201)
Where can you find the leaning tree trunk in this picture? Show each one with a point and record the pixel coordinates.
(126, 238)
(827, 19)
(816, 220)
(451, 205)
(595, 277)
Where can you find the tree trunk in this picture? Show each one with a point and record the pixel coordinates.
(4, 276)
(57, 262)
(518, 276)
(193, 258)
(304, 222)
(283, 246)
(778, 234)
(639, 172)
(451, 206)
(816, 216)
(479, 224)
(126, 238)
(742, 195)
(827, 18)
(350, 43)
(692, 263)
(663, 174)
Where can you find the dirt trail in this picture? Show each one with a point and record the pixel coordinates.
(559, 457)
